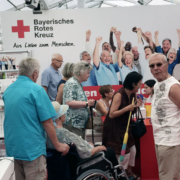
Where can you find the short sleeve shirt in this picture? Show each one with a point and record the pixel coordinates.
(91, 80)
(50, 79)
(74, 91)
(125, 70)
(107, 74)
(26, 105)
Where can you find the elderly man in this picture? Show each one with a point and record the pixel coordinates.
(92, 78)
(165, 115)
(105, 72)
(51, 76)
(166, 44)
(136, 62)
(28, 114)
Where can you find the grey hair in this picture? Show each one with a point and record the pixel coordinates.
(166, 39)
(55, 55)
(106, 43)
(158, 54)
(172, 50)
(68, 70)
(81, 54)
(28, 65)
(81, 68)
(104, 51)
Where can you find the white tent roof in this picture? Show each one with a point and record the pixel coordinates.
(14, 5)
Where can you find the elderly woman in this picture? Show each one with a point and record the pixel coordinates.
(149, 89)
(75, 97)
(67, 73)
(103, 104)
(57, 168)
(126, 66)
(173, 56)
(117, 119)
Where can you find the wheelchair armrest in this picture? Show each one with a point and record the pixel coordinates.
(90, 158)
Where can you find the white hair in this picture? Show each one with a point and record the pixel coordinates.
(28, 65)
(81, 68)
(173, 50)
(158, 54)
(55, 55)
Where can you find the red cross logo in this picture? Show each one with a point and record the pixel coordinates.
(20, 28)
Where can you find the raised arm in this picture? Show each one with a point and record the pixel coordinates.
(149, 36)
(120, 64)
(156, 38)
(178, 32)
(118, 35)
(111, 42)
(96, 52)
(88, 35)
(87, 44)
(139, 37)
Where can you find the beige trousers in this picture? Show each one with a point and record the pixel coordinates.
(31, 170)
(168, 158)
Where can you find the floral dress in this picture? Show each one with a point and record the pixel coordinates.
(74, 91)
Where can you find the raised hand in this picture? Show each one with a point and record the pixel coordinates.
(148, 34)
(113, 29)
(98, 40)
(88, 34)
(156, 34)
(117, 34)
(178, 32)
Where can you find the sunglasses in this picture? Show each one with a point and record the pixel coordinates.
(157, 64)
(59, 60)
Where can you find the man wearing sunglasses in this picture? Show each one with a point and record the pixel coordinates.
(165, 116)
(51, 76)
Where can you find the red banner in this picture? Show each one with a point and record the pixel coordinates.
(92, 92)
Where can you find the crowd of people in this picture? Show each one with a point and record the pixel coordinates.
(7, 63)
(60, 107)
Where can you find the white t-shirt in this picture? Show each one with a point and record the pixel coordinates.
(145, 70)
(165, 115)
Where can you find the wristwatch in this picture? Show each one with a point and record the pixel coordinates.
(86, 104)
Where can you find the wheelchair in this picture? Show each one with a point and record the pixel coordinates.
(97, 167)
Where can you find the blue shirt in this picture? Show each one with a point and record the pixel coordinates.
(26, 106)
(125, 70)
(172, 65)
(107, 74)
(50, 79)
(91, 80)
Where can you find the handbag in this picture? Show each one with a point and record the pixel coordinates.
(138, 126)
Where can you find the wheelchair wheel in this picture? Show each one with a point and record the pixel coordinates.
(93, 174)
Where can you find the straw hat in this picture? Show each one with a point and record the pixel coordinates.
(60, 109)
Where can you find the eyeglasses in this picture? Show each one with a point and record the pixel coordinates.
(59, 60)
(157, 64)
